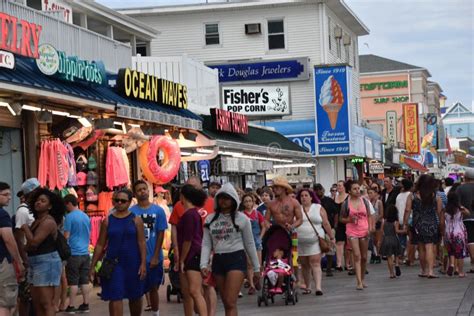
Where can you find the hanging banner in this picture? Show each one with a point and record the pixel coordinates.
(256, 100)
(332, 110)
(411, 127)
(431, 126)
(392, 123)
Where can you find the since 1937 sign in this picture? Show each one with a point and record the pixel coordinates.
(256, 100)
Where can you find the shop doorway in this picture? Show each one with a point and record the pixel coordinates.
(11, 163)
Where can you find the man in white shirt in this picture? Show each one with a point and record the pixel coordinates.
(401, 203)
(24, 216)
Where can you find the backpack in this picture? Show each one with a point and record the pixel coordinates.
(345, 207)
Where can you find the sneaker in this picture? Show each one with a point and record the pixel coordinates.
(398, 272)
(83, 308)
(241, 295)
(70, 310)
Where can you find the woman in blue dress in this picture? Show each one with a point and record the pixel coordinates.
(123, 234)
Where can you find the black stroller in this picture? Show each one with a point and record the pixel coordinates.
(277, 237)
(174, 288)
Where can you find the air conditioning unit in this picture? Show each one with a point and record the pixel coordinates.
(346, 40)
(253, 28)
(337, 32)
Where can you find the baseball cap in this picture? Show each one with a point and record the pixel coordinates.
(92, 178)
(30, 185)
(81, 178)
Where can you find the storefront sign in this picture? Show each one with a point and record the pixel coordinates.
(57, 5)
(307, 142)
(7, 60)
(398, 99)
(412, 131)
(357, 160)
(283, 70)
(226, 121)
(52, 62)
(257, 100)
(376, 168)
(387, 85)
(332, 110)
(392, 123)
(19, 36)
(141, 86)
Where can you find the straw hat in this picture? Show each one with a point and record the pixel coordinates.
(282, 182)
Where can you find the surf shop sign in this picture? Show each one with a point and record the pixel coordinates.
(19, 36)
(332, 86)
(70, 68)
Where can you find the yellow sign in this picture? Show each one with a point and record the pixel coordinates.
(411, 127)
(141, 86)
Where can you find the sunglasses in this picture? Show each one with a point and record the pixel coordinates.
(333, 190)
(123, 201)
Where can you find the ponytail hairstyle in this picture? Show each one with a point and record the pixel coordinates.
(217, 211)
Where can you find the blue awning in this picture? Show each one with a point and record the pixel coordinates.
(27, 74)
(297, 127)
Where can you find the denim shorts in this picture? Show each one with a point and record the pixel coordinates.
(222, 263)
(45, 270)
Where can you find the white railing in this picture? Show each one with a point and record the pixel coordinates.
(202, 82)
(73, 39)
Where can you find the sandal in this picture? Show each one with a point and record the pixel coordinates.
(148, 308)
(393, 277)
(422, 275)
(251, 291)
(433, 277)
(450, 271)
(319, 293)
(305, 291)
(359, 288)
(462, 275)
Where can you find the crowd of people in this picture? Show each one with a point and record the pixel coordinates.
(218, 237)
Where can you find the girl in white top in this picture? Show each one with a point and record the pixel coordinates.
(309, 252)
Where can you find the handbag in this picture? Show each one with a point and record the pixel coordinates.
(323, 243)
(108, 264)
(62, 247)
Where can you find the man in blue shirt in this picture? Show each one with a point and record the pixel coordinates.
(77, 229)
(154, 220)
(9, 256)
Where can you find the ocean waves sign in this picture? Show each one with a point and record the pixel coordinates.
(332, 84)
(274, 70)
(256, 100)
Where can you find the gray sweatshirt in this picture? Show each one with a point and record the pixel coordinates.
(222, 237)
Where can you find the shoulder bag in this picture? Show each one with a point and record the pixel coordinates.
(62, 247)
(323, 243)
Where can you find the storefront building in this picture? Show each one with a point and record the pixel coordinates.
(400, 103)
(54, 101)
(267, 66)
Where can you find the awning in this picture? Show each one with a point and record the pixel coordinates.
(413, 164)
(258, 140)
(27, 79)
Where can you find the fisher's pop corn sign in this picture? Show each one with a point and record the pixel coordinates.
(256, 100)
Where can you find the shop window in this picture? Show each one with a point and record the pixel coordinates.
(276, 34)
(212, 34)
(141, 49)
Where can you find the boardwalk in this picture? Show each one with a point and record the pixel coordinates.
(408, 295)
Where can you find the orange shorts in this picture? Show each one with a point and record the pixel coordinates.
(209, 281)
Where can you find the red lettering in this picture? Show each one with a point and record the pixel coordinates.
(5, 21)
(25, 49)
(14, 40)
(36, 32)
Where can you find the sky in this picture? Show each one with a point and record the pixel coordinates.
(434, 34)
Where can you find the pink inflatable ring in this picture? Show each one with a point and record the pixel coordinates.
(172, 158)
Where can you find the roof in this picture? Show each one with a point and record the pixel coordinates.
(256, 136)
(339, 7)
(373, 63)
(125, 22)
(26, 74)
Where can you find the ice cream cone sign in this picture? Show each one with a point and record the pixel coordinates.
(331, 99)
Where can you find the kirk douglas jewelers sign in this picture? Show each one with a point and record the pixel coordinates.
(256, 100)
(264, 70)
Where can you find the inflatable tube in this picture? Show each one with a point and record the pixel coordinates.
(142, 159)
(171, 158)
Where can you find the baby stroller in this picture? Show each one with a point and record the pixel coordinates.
(277, 237)
(174, 287)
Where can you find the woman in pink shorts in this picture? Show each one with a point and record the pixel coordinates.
(355, 213)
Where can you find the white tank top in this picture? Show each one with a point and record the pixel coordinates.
(305, 231)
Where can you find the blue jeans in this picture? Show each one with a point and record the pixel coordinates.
(45, 270)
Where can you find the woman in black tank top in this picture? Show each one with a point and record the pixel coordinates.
(43, 259)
